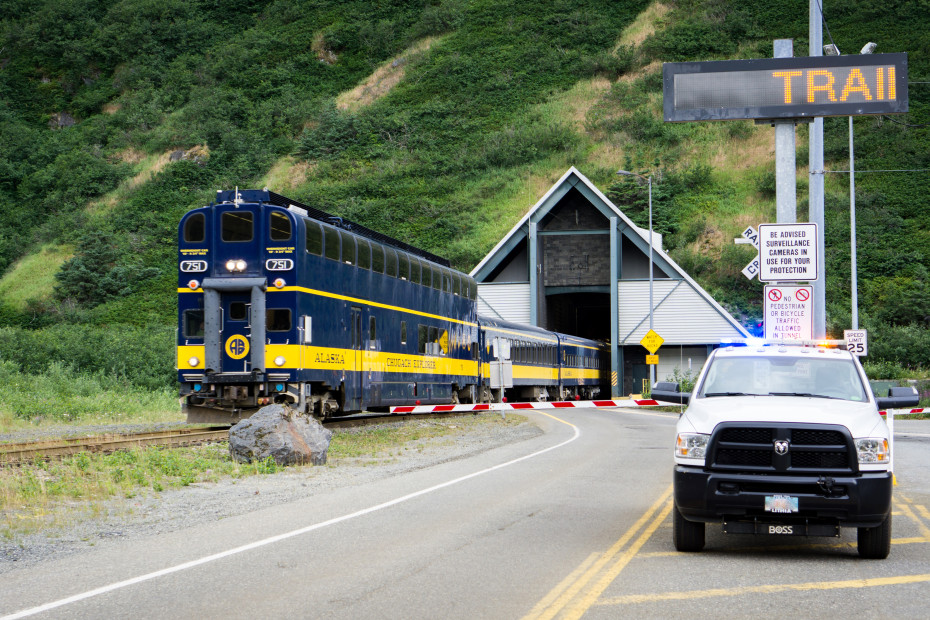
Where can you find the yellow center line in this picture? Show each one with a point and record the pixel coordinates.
(765, 589)
(554, 602)
(582, 605)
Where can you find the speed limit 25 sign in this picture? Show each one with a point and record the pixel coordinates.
(856, 341)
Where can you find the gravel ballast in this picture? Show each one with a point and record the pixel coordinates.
(153, 513)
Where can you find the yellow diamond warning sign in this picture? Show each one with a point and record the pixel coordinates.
(652, 341)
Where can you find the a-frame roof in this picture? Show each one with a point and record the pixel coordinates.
(640, 237)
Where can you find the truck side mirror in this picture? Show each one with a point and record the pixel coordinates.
(899, 397)
(670, 393)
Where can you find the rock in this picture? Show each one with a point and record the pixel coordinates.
(281, 433)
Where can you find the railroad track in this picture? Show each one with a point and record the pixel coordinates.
(17, 453)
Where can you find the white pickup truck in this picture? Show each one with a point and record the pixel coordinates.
(783, 440)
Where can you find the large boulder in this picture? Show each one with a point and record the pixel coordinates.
(281, 433)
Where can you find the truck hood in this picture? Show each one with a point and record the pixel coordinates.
(862, 419)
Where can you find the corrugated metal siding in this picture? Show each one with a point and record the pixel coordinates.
(681, 314)
(510, 302)
(672, 357)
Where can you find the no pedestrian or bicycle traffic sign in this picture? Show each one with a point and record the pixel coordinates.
(789, 313)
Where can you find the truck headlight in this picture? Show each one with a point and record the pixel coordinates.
(691, 445)
(873, 450)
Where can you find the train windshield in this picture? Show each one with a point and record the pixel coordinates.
(237, 226)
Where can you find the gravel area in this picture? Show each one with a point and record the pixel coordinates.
(156, 513)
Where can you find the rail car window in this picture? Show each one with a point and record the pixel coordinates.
(437, 279)
(332, 243)
(403, 332)
(195, 228)
(372, 332)
(415, 270)
(377, 258)
(422, 333)
(237, 226)
(390, 261)
(364, 254)
(193, 324)
(238, 311)
(348, 248)
(314, 238)
(403, 269)
(278, 319)
(280, 226)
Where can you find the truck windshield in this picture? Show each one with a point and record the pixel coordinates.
(783, 376)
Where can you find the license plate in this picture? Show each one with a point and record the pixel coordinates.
(781, 503)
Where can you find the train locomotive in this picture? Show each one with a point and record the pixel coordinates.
(279, 302)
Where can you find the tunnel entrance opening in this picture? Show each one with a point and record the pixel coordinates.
(580, 314)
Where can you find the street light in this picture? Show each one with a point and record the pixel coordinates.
(649, 181)
(833, 50)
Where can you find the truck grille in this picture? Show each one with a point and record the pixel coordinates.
(813, 449)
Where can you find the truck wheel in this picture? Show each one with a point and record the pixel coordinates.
(689, 535)
(875, 542)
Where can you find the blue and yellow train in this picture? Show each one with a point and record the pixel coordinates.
(281, 302)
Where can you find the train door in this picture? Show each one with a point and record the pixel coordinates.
(354, 381)
(236, 328)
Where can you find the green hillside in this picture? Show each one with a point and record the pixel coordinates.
(436, 122)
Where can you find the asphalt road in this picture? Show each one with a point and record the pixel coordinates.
(573, 523)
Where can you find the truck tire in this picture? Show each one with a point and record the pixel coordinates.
(875, 542)
(689, 535)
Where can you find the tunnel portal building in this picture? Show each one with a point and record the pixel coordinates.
(576, 264)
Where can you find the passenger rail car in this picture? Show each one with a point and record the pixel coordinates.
(280, 302)
(542, 365)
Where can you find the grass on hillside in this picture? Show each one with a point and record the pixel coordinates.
(32, 278)
(46, 496)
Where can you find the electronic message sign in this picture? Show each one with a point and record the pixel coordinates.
(776, 88)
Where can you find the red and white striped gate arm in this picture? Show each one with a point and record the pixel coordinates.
(567, 404)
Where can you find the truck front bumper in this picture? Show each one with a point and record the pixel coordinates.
(861, 500)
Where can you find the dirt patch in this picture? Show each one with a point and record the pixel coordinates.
(384, 78)
(645, 24)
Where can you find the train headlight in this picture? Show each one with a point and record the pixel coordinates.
(230, 265)
(235, 265)
(240, 265)
(279, 361)
(192, 362)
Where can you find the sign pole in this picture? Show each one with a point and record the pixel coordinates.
(785, 154)
(816, 179)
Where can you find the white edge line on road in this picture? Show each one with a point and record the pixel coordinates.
(273, 539)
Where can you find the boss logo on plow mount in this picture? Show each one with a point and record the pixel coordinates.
(193, 266)
(781, 529)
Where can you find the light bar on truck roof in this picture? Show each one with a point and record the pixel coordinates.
(758, 342)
